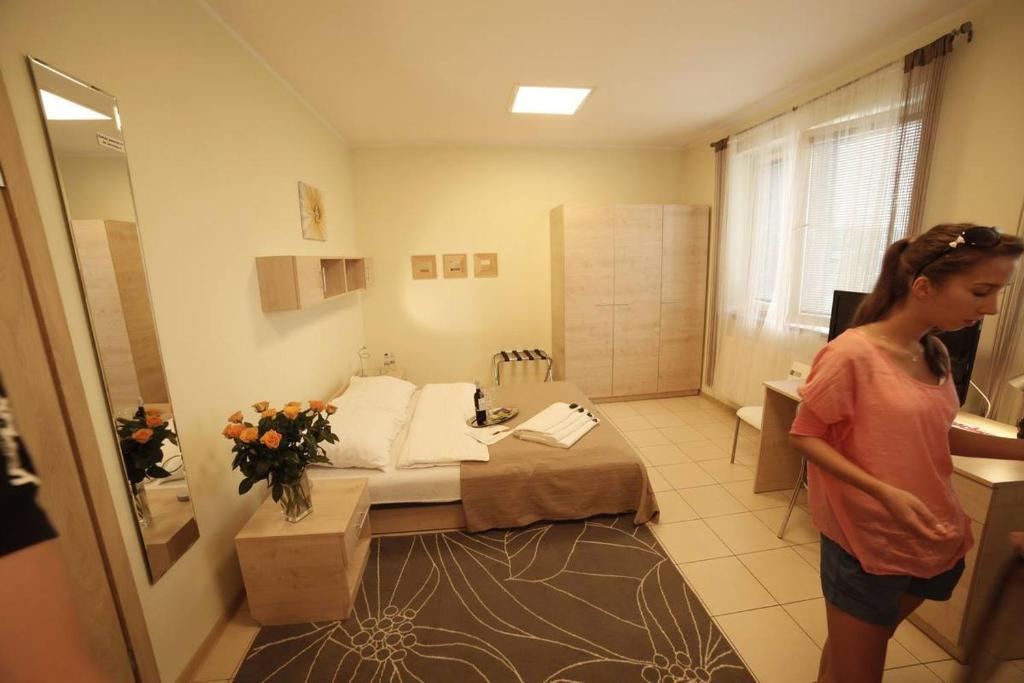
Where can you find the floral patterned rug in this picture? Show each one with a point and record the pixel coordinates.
(596, 600)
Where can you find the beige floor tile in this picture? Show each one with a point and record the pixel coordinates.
(774, 647)
(811, 553)
(949, 671)
(810, 615)
(743, 491)
(725, 586)
(799, 529)
(711, 501)
(674, 508)
(647, 437)
(632, 423)
(702, 450)
(226, 654)
(921, 646)
(786, 576)
(744, 533)
(681, 403)
(649, 407)
(715, 430)
(682, 434)
(658, 481)
(686, 476)
(668, 419)
(666, 454)
(724, 471)
(748, 461)
(691, 541)
(617, 409)
(910, 674)
(702, 417)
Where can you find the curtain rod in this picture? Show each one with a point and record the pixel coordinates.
(966, 28)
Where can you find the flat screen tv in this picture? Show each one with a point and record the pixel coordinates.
(962, 344)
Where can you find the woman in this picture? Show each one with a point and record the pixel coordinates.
(875, 426)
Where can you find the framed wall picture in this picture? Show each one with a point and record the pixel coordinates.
(424, 267)
(454, 265)
(311, 210)
(485, 265)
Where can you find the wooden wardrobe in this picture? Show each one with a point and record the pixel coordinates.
(628, 288)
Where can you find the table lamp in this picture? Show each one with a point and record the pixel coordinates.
(1018, 384)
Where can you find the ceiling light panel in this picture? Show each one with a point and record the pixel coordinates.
(532, 99)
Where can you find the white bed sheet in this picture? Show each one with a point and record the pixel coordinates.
(420, 485)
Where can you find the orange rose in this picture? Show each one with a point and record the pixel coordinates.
(293, 403)
(269, 412)
(152, 411)
(235, 416)
(331, 409)
(154, 421)
(249, 434)
(232, 430)
(271, 439)
(261, 406)
(142, 435)
(318, 406)
(291, 412)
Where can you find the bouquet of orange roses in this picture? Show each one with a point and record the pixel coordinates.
(279, 447)
(141, 439)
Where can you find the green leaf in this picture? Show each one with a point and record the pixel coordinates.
(157, 472)
(245, 485)
(277, 492)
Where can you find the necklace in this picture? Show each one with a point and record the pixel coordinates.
(912, 355)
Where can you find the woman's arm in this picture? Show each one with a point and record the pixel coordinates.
(978, 445)
(905, 507)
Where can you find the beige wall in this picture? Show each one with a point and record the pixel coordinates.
(216, 145)
(977, 173)
(466, 200)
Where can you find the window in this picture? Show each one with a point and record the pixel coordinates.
(859, 190)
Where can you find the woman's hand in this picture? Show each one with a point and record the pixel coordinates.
(909, 511)
(1017, 539)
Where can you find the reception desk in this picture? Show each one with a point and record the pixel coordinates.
(992, 493)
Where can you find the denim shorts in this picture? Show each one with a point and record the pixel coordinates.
(875, 598)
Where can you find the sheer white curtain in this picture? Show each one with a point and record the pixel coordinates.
(812, 199)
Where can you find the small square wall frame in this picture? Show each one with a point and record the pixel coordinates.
(424, 267)
(485, 265)
(454, 265)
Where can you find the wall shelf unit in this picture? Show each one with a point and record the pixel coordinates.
(291, 283)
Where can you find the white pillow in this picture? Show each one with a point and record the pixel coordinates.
(365, 435)
(382, 392)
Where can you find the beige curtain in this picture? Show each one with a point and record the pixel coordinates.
(1008, 350)
(711, 349)
(924, 77)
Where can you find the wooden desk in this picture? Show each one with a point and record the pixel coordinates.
(991, 491)
(308, 570)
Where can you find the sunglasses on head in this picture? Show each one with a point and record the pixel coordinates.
(971, 237)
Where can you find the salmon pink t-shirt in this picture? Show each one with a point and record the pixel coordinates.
(896, 428)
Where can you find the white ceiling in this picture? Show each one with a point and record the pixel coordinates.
(410, 72)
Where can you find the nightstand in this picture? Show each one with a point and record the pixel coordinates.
(308, 570)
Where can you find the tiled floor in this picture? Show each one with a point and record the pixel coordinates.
(763, 592)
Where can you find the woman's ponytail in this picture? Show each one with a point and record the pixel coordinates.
(889, 288)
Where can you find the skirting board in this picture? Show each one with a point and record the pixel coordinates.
(189, 672)
(644, 397)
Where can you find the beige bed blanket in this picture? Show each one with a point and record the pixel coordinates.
(526, 482)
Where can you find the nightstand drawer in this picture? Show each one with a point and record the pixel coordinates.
(358, 525)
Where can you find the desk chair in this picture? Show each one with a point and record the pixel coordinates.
(754, 415)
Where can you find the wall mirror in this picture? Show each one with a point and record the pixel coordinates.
(84, 130)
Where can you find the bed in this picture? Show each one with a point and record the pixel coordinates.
(522, 482)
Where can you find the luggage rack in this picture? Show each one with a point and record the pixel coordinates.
(525, 355)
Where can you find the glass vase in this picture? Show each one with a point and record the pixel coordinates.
(296, 499)
(141, 504)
